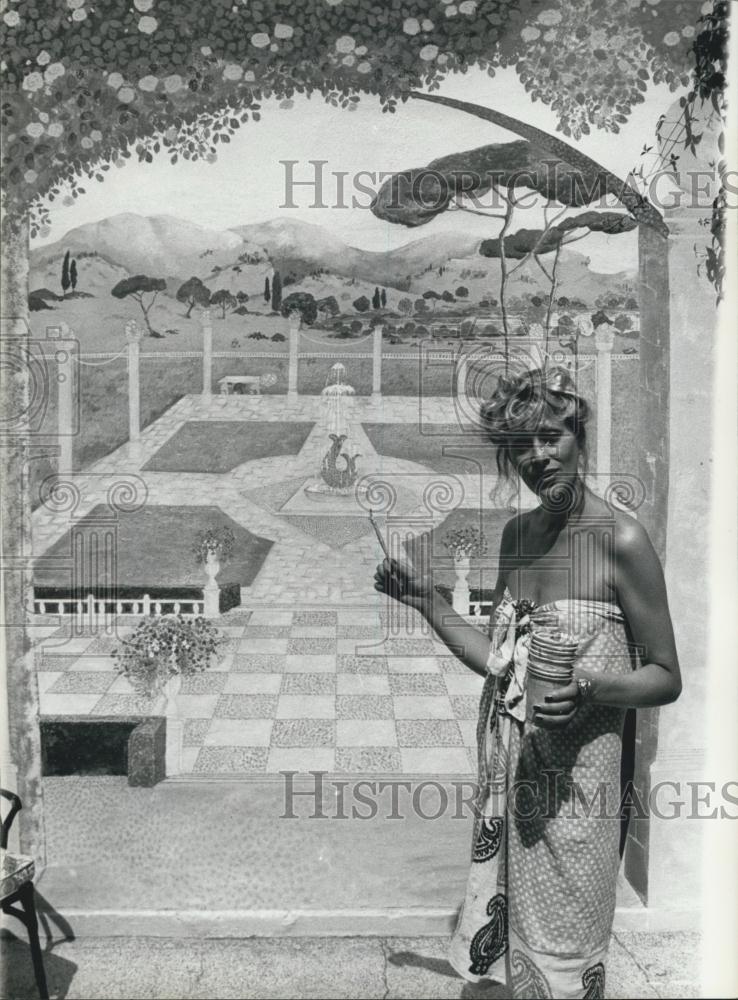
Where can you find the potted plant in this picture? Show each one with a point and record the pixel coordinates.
(164, 649)
(161, 651)
(214, 543)
(213, 548)
(463, 543)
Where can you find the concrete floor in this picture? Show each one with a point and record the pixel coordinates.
(640, 966)
(219, 858)
(202, 889)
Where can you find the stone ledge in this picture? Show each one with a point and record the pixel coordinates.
(410, 922)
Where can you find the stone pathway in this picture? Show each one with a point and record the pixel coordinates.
(360, 690)
(300, 569)
(319, 673)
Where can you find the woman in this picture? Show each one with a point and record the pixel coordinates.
(541, 892)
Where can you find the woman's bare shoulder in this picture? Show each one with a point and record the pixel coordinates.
(633, 549)
(512, 531)
(630, 535)
(519, 522)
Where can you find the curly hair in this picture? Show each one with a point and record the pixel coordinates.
(522, 402)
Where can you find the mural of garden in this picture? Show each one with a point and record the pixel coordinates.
(262, 262)
(264, 387)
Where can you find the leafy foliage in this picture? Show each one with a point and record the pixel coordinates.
(302, 302)
(224, 299)
(163, 647)
(703, 108)
(66, 280)
(193, 292)
(540, 163)
(87, 87)
(276, 291)
(710, 50)
(592, 60)
(525, 241)
(136, 287)
(219, 540)
(466, 541)
(328, 305)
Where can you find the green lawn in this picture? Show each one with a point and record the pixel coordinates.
(441, 447)
(152, 550)
(221, 445)
(103, 401)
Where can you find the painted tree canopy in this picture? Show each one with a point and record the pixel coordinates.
(87, 86)
(414, 197)
(526, 241)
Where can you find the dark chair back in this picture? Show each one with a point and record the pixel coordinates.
(15, 806)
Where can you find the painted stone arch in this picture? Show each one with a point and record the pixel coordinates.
(87, 89)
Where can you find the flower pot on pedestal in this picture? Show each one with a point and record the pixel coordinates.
(463, 543)
(175, 725)
(154, 659)
(462, 593)
(211, 590)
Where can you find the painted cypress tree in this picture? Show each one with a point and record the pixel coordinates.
(383, 299)
(267, 289)
(375, 299)
(73, 274)
(276, 291)
(65, 279)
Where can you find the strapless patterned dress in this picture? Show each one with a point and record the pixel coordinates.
(540, 898)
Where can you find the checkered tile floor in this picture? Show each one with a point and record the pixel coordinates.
(335, 690)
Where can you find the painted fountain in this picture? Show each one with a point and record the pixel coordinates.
(338, 474)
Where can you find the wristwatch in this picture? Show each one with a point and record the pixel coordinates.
(584, 684)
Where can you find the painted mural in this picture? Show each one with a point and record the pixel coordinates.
(262, 264)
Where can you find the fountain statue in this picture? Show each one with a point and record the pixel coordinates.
(338, 471)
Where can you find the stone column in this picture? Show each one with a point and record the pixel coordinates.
(295, 321)
(604, 340)
(133, 338)
(675, 846)
(377, 363)
(462, 372)
(21, 747)
(653, 472)
(207, 353)
(66, 355)
(678, 333)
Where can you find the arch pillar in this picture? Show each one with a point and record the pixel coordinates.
(675, 851)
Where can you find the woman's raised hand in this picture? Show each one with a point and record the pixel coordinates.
(402, 582)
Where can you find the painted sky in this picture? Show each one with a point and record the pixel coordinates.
(247, 183)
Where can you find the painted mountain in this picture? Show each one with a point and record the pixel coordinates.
(174, 248)
(241, 259)
(299, 248)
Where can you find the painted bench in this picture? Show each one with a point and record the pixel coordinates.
(228, 384)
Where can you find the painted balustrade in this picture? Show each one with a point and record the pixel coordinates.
(94, 609)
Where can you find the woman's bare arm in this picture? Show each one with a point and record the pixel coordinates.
(641, 593)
